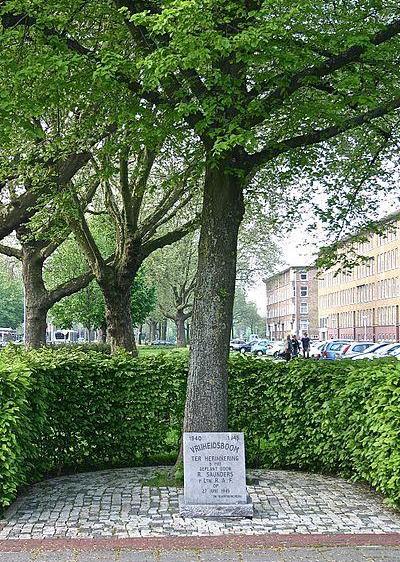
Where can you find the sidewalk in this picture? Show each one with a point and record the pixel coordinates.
(323, 554)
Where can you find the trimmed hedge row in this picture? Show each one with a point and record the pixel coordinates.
(339, 417)
(69, 410)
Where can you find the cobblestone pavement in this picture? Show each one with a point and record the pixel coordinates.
(115, 504)
(337, 554)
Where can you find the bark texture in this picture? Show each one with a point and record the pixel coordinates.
(180, 329)
(36, 301)
(207, 395)
(39, 299)
(117, 297)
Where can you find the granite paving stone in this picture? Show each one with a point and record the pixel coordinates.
(116, 503)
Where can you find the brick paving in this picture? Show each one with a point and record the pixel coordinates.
(115, 504)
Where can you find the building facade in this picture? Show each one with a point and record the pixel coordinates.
(292, 303)
(364, 303)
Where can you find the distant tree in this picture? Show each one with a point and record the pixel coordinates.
(246, 319)
(174, 272)
(258, 254)
(11, 298)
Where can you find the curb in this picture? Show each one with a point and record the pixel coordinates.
(272, 540)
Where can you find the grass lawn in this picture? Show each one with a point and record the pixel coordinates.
(145, 350)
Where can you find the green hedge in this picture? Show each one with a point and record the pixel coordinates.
(69, 410)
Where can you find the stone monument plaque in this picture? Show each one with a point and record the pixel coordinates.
(215, 476)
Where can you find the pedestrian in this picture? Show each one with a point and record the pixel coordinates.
(288, 349)
(305, 344)
(295, 346)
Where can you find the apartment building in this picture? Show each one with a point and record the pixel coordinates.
(364, 303)
(292, 303)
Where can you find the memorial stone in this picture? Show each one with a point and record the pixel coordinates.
(215, 476)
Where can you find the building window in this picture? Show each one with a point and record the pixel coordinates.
(323, 322)
(303, 291)
(304, 276)
(303, 308)
(304, 325)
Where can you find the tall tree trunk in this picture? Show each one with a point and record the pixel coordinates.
(35, 322)
(180, 329)
(187, 332)
(117, 297)
(102, 336)
(207, 393)
(152, 330)
(36, 304)
(164, 326)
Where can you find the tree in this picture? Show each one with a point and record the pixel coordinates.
(33, 251)
(87, 306)
(144, 200)
(246, 319)
(174, 272)
(261, 85)
(258, 254)
(11, 298)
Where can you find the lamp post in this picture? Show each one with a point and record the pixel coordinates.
(365, 318)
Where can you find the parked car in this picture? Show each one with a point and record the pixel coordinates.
(370, 351)
(161, 342)
(316, 348)
(247, 347)
(236, 344)
(396, 354)
(331, 348)
(261, 347)
(394, 350)
(275, 348)
(379, 350)
(355, 348)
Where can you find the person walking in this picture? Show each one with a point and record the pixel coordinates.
(288, 349)
(305, 344)
(295, 346)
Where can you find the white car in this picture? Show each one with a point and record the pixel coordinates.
(316, 348)
(377, 351)
(354, 349)
(394, 350)
(275, 348)
(396, 354)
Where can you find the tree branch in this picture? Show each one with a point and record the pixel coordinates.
(319, 135)
(11, 252)
(69, 287)
(144, 168)
(81, 230)
(351, 55)
(24, 207)
(51, 246)
(169, 238)
(167, 217)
